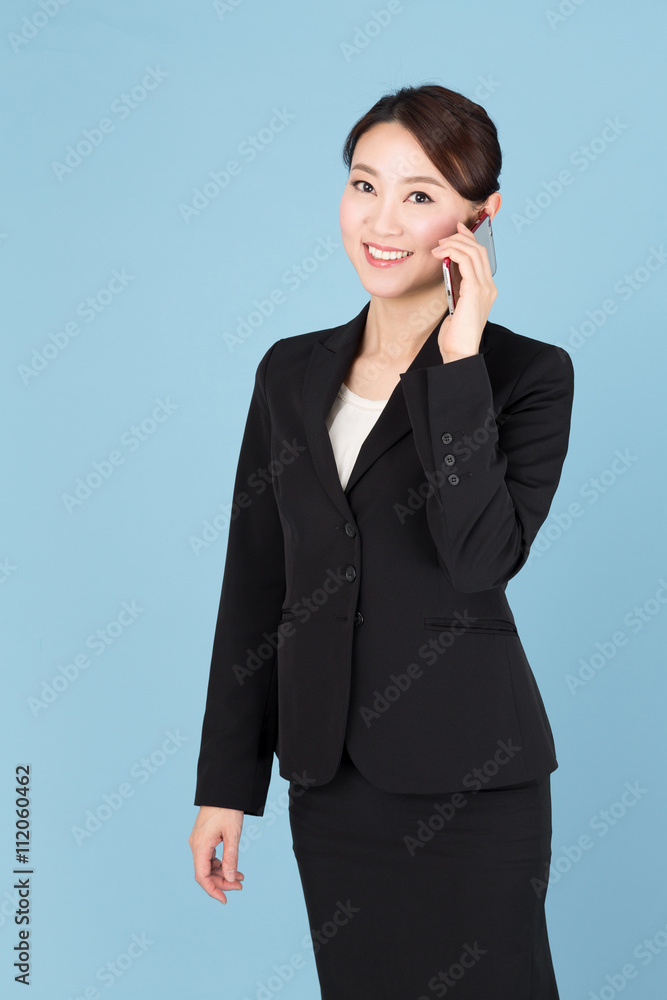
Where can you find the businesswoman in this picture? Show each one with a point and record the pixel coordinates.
(394, 472)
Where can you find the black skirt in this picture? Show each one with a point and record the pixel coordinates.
(415, 897)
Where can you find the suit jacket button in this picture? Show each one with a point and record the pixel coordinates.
(350, 530)
(446, 438)
(453, 479)
(350, 573)
(449, 459)
(358, 619)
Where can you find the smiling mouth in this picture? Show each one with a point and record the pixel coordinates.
(378, 254)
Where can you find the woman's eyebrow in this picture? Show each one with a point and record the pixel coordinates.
(406, 180)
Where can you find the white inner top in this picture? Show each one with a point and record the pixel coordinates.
(350, 419)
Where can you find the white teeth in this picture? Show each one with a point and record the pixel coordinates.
(387, 254)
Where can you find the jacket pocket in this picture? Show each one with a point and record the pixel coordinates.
(286, 615)
(487, 626)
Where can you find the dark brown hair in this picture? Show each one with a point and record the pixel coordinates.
(456, 134)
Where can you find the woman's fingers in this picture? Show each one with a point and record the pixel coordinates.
(215, 825)
(464, 272)
(209, 868)
(216, 864)
(215, 884)
(468, 263)
(230, 857)
(463, 237)
(471, 257)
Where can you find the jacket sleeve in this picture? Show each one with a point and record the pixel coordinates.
(240, 719)
(492, 476)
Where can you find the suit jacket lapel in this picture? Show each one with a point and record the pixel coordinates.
(328, 365)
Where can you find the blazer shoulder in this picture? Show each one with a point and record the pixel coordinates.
(303, 342)
(286, 356)
(522, 352)
(289, 351)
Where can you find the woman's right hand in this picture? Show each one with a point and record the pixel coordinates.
(213, 825)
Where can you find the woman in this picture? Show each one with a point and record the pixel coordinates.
(394, 472)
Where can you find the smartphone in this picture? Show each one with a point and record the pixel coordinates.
(484, 235)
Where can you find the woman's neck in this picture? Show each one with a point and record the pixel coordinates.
(396, 329)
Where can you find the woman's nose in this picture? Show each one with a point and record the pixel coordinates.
(384, 221)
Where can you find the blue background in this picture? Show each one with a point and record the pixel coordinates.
(571, 270)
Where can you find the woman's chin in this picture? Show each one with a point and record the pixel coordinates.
(383, 290)
(386, 287)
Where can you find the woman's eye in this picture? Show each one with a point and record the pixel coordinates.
(354, 184)
(423, 194)
(420, 194)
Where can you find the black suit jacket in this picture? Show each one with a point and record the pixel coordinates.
(377, 614)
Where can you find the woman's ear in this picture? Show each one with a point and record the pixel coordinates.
(493, 203)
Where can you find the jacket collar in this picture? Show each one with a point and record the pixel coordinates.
(329, 363)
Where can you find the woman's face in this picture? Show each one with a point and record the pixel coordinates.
(396, 199)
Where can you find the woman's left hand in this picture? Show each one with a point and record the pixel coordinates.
(474, 293)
